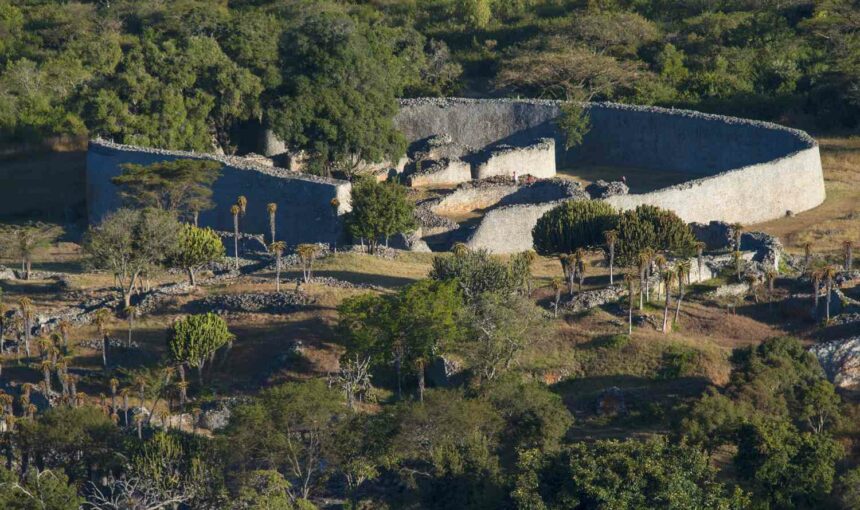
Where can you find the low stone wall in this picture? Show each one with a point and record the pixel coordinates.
(536, 159)
(444, 172)
(503, 229)
(500, 192)
(304, 212)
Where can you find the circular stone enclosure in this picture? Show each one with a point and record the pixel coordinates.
(739, 170)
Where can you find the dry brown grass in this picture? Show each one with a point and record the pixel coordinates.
(838, 218)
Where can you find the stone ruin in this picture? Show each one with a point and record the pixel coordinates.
(739, 170)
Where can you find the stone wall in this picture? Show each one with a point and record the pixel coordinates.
(536, 159)
(444, 172)
(741, 170)
(304, 201)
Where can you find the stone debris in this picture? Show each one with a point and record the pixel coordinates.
(251, 302)
(602, 189)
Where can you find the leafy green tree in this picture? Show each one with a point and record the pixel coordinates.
(197, 247)
(286, 429)
(39, 490)
(574, 123)
(572, 225)
(379, 211)
(265, 490)
(501, 326)
(131, 242)
(651, 227)
(181, 186)
(476, 272)
(26, 241)
(196, 338)
(341, 78)
(622, 474)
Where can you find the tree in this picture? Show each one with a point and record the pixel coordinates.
(556, 285)
(234, 211)
(182, 186)
(668, 278)
(287, 429)
(130, 314)
(26, 241)
(611, 237)
(26, 306)
(501, 327)
(621, 474)
(272, 208)
(129, 243)
(341, 77)
(39, 490)
(628, 280)
(196, 338)
(828, 273)
(196, 248)
(101, 317)
(308, 253)
(848, 248)
(277, 248)
(651, 227)
(242, 202)
(574, 122)
(379, 211)
(573, 224)
(683, 274)
(475, 271)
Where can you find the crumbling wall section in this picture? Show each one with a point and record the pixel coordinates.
(536, 159)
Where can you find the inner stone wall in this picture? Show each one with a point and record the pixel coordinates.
(304, 211)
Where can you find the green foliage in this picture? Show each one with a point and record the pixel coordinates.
(39, 490)
(131, 242)
(651, 227)
(182, 186)
(197, 247)
(379, 211)
(477, 272)
(572, 225)
(621, 474)
(341, 78)
(574, 123)
(195, 339)
(265, 490)
(26, 241)
(286, 430)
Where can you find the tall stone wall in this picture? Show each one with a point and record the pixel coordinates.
(304, 211)
(740, 170)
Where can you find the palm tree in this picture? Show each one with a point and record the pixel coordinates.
(683, 269)
(738, 259)
(568, 267)
(459, 249)
(660, 261)
(700, 250)
(140, 382)
(64, 327)
(234, 210)
(649, 254)
(668, 277)
(829, 273)
(114, 385)
(807, 255)
(242, 202)
(579, 259)
(100, 319)
(278, 248)
(272, 208)
(848, 246)
(556, 286)
(307, 254)
(816, 276)
(628, 280)
(124, 393)
(644, 259)
(26, 306)
(611, 237)
(130, 313)
(737, 232)
(47, 367)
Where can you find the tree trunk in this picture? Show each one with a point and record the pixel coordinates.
(236, 240)
(130, 329)
(829, 292)
(196, 216)
(105, 342)
(611, 264)
(28, 270)
(678, 304)
(277, 273)
(272, 227)
(192, 279)
(666, 313)
(200, 372)
(630, 316)
(421, 381)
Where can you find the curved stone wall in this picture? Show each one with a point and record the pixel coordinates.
(740, 170)
(304, 202)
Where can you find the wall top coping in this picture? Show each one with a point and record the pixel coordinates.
(442, 102)
(233, 161)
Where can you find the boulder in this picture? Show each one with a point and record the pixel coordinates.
(602, 189)
(840, 360)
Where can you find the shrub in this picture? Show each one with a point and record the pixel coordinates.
(572, 225)
(379, 211)
(651, 227)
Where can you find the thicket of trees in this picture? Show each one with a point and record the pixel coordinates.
(325, 75)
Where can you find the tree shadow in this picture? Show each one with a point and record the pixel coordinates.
(357, 278)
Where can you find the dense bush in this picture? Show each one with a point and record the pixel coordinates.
(379, 211)
(651, 227)
(572, 225)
